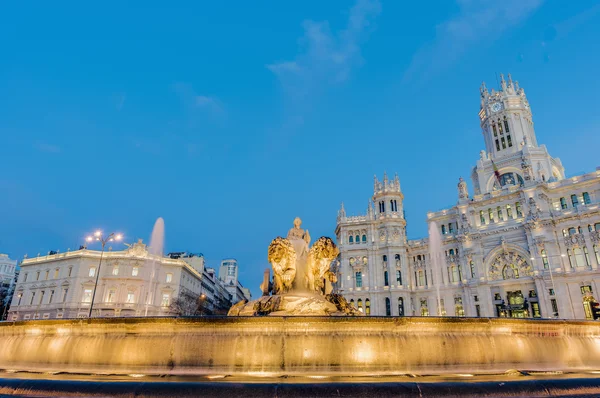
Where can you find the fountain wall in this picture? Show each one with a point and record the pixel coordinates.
(298, 345)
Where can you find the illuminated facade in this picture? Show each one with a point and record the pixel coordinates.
(132, 282)
(8, 268)
(525, 244)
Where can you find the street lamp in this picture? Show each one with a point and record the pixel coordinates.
(550, 269)
(98, 236)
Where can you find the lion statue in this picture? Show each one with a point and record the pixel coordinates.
(283, 260)
(320, 256)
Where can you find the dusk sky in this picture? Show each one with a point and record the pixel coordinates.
(230, 118)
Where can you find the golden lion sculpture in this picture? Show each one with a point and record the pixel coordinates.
(320, 256)
(283, 259)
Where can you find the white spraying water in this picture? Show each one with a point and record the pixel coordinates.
(157, 239)
(435, 255)
(156, 247)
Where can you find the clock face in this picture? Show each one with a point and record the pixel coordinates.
(496, 107)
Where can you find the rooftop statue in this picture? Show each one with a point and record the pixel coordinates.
(302, 279)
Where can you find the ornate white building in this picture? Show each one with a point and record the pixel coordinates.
(526, 244)
(131, 282)
(8, 268)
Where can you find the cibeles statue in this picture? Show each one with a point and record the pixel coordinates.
(302, 279)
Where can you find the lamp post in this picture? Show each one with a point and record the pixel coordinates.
(98, 236)
(550, 269)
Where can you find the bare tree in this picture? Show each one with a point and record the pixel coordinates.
(189, 304)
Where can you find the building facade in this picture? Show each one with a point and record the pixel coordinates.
(524, 244)
(132, 282)
(228, 275)
(8, 268)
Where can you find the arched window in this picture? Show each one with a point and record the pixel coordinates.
(572, 231)
(574, 200)
(563, 203)
(386, 281)
(352, 302)
(544, 258)
(364, 238)
(500, 127)
(494, 130)
(398, 261)
(382, 206)
(358, 276)
(368, 307)
(384, 259)
(357, 239)
(506, 125)
(400, 306)
(359, 303)
(388, 307)
(586, 198)
(424, 308)
(399, 277)
(350, 239)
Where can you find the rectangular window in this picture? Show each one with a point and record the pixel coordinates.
(398, 277)
(509, 211)
(551, 292)
(43, 293)
(519, 210)
(87, 296)
(92, 272)
(115, 270)
(509, 140)
(586, 198)
(169, 278)
(47, 274)
(481, 217)
(56, 271)
(134, 271)
(70, 270)
(25, 277)
(500, 214)
(421, 278)
(358, 276)
(477, 310)
(443, 230)
(497, 145)
(37, 276)
(166, 299)
(451, 228)
(491, 215)
(130, 297)
(574, 200)
(20, 296)
(111, 296)
(506, 125)
(503, 143)
(563, 203)
(554, 306)
(51, 297)
(64, 299)
(472, 266)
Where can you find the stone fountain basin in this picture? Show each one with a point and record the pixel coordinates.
(296, 346)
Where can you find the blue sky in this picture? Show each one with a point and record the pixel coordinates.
(230, 118)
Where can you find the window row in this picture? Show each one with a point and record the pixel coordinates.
(572, 231)
(498, 212)
(46, 274)
(575, 200)
(39, 299)
(450, 229)
(355, 237)
(393, 205)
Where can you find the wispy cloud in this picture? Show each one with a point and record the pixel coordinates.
(327, 56)
(45, 147)
(478, 21)
(196, 101)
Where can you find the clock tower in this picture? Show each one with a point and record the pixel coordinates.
(512, 155)
(506, 120)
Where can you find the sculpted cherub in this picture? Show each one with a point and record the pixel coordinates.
(283, 259)
(320, 256)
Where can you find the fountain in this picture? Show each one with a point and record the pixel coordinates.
(156, 247)
(299, 331)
